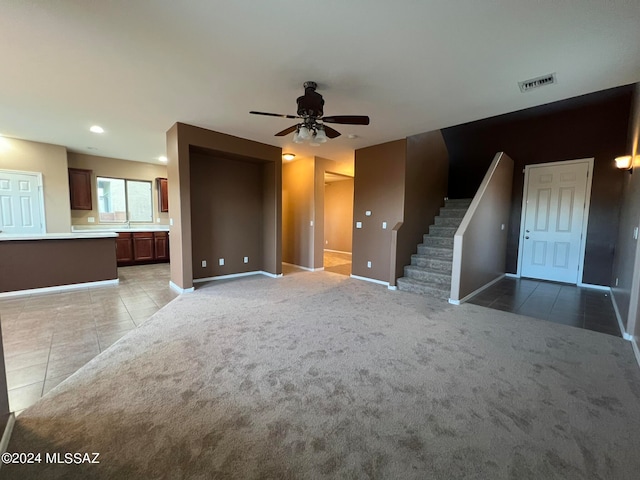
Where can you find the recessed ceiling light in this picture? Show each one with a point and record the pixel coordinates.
(162, 158)
(97, 129)
(288, 156)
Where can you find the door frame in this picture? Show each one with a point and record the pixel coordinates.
(585, 220)
(38, 176)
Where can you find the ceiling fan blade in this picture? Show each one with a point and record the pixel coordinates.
(330, 132)
(287, 131)
(348, 119)
(274, 114)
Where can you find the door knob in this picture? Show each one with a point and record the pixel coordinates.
(527, 237)
(527, 231)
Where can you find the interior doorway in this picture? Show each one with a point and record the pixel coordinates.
(338, 223)
(555, 211)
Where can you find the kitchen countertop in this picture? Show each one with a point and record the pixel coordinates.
(58, 236)
(119, 228)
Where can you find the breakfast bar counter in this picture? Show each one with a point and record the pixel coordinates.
(48, 260)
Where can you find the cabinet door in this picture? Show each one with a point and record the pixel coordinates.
(80, 189)
(163, 194)
(143, 246)
(124, 249)
(161, 240)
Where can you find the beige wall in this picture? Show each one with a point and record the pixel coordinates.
(112, 167)
(51, 161)
(626, 267)
(338, 215)
(480, 244)
(182, 139)
(297, 212)
(228, 195)
(379, 184)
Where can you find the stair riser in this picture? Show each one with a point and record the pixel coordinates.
(422, 289)
(428, 276)
(432, 263)
(453, 212)
(457, 203)
(435, 252)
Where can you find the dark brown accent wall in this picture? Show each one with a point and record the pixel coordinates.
(228, 215)
(4, 396)
(592, 125)
(626, 267)
(27, 264)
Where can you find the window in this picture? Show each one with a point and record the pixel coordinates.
(121, 200)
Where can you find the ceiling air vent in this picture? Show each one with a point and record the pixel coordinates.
(527, 85)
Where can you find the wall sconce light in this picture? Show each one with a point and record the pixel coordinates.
(625, 163)
(288, 156)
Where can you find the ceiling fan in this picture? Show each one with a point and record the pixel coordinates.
(312, 127)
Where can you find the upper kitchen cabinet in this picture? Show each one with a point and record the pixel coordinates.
(80, 189)
(163, 195)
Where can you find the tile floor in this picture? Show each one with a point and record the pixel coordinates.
(47, 337)
(556, 302)
(337, 262)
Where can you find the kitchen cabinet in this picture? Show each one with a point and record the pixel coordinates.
(143, 246)
(80, 189)
(163, 194)
(124, 249)
(161, 244)
(133, 248)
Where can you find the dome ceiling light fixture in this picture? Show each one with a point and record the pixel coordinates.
(312, 128)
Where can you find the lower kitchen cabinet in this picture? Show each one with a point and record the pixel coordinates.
(142, 247)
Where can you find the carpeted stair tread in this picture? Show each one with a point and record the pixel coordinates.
(426, 274)
(442, 231)
(435, 251)
(416, 286)
(427, 261)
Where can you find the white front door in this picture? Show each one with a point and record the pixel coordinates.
(554, 222)
(21, 203)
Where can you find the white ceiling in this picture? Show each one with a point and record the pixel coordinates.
(136, 67)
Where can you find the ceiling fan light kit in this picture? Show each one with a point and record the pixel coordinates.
(312, 127)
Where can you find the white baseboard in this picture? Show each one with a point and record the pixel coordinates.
(60, 288)
(180, 289)
(237, 275)
(372, 280)
(636, 349)
(6, 435)
(595, 287)
(308, 269)
(477, 291)
(512, 275)
(337, 251)
(392, 287)
(625, 335)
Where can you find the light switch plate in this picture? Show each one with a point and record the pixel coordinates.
(246, 260)
(358, 224)
(384, 225)
(368, 213)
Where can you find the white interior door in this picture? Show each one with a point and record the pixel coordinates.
(21, 203)
(554, 220)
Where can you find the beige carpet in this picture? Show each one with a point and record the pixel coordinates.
(316, 375)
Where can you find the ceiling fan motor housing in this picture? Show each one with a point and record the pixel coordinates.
(311, 103)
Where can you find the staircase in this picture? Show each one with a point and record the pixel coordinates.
(430, 269)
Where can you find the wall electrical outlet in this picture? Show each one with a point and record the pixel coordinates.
(311, 223)
(616, 281)
(221, 261)
(635, 233)
(245, 259)
(171, 222)
(204, 263)
(384, 225)
(91, 219)
(368, 264)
